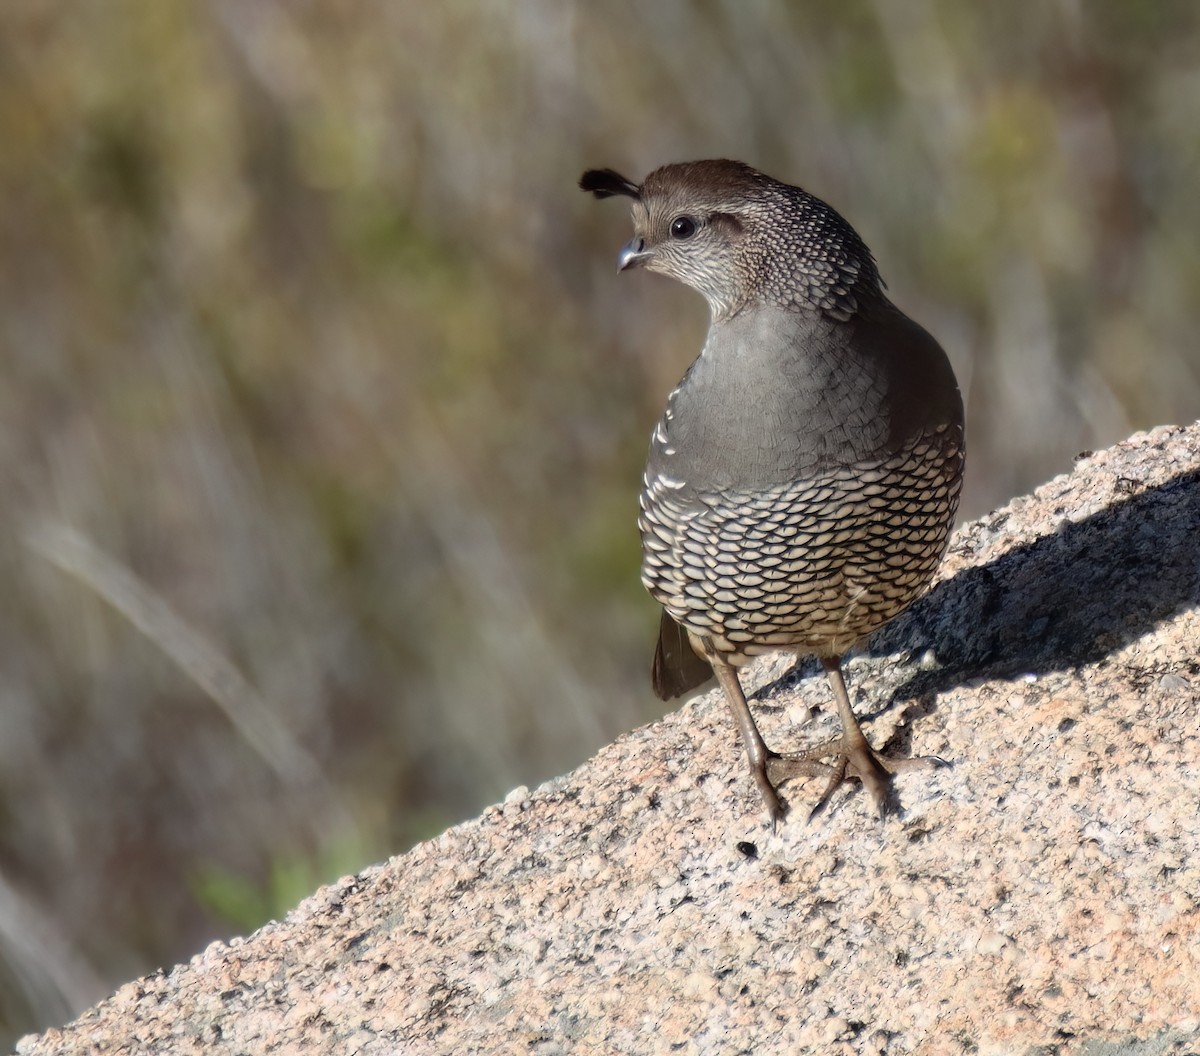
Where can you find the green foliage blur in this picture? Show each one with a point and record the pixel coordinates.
(323, 411)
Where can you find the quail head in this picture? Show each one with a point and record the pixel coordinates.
(802, 483)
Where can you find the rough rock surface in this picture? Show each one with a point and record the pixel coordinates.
(1040, 894)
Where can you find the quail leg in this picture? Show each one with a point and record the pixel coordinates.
(851, 754)
(760, 757)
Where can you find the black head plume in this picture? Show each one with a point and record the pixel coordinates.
(605, 183)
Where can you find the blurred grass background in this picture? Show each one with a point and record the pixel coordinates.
(324, 412)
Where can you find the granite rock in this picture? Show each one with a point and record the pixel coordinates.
(1039, 894)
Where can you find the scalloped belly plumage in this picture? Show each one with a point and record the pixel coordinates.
(811, 566)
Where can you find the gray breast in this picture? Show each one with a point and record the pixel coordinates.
(802, 485)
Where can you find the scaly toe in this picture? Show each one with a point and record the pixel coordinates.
(848, 758)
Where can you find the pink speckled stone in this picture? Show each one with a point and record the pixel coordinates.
(1044, 889)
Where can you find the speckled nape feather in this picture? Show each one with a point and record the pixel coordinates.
(804, 478)
(796, 252)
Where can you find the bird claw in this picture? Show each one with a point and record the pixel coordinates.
(776, 769)
(849, 758)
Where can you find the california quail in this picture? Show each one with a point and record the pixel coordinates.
(802, 483)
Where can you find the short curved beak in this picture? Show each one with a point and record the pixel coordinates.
(632, 254)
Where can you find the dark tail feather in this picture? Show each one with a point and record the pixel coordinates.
(676, 667)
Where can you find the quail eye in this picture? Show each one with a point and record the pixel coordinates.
(683, 227)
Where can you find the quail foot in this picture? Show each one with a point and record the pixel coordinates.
(803, 480)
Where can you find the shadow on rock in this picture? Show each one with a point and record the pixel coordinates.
(1066, 599)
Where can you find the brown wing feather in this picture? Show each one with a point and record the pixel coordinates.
(676, 667)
